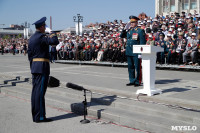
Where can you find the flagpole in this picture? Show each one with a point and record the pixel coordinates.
(50, 22)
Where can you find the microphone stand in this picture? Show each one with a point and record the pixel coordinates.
(84, 121)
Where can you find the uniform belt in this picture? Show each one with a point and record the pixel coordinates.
(41, 59)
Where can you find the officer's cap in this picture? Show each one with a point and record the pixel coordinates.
(40, 22)
(133, 19)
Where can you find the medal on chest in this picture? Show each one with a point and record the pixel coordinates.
(135, 36)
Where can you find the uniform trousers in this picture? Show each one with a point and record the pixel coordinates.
(133, 66)
(39, 82)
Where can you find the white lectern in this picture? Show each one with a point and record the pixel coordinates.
(148, 68)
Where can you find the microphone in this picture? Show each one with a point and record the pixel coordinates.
(75, 87)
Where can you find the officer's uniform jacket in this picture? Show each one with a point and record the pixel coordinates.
(135, 36)
(38, 51)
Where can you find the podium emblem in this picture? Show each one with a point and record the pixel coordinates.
(141, 49)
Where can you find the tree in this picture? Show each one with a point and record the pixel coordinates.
(19, 35)
(6, 37)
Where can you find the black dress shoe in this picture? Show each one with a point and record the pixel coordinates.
(129, 84)
(136, 85)
(45, 120)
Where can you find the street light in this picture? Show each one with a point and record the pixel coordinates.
(78, 19)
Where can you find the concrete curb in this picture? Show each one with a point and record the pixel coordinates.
(112, 64)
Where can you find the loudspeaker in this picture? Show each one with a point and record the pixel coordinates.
(53, 82)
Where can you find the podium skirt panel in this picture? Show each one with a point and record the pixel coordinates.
(39, 82)
(133, 69)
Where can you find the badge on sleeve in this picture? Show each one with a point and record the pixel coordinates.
(135, 36)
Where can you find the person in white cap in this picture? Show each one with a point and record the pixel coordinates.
(180, 46)
(191, 50)
(149, 24)
(150, 40)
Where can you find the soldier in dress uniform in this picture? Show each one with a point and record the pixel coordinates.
(135, 36)
(38, 54)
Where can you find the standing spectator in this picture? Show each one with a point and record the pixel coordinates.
(25, 48)
(2, 48)
(13, 47)
(161, 43)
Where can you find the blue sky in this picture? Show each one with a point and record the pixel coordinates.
(62, 11)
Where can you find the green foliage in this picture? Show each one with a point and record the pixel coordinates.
(6, 37)
(19, 35)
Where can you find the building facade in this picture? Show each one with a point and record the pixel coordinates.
(15, 30)
(166, 7)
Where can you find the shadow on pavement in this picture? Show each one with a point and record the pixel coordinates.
(65, 116)
(167, 81)
(106, 100)
(4, 85)
(175, 90)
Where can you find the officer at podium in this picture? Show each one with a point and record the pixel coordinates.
(38, 54)
(135, 36)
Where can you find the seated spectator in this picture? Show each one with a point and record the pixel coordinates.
(191, 50)
(180, 47)
(150, 41)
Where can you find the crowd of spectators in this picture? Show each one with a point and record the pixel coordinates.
(178, 34)
(13, 45)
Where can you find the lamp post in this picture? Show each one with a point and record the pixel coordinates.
(78, 19)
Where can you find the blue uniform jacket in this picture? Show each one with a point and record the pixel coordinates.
(130, 41)
(38, 47)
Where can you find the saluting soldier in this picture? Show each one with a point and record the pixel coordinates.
(38, 54)
(135, 36)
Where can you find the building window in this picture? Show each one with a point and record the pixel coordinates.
(165, 5)
(193, 4)
(185, 5)
(172, 6)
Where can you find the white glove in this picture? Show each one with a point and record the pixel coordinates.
(139, 56)
(48, 30)
(127, 26)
